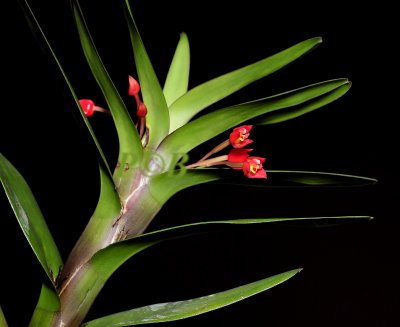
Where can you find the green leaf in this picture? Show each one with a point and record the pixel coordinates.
(30, 218)
(208, 126)
(38, 32)
(46, 309)
(177, 81)
(157, 119)
(284, 115)
(3, 322)
(130, 147)
(105, 262)
(91, 240)
(202, 96)
(171, 311)
(165, 185)
(289, 178)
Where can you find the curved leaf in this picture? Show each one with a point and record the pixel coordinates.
(129, 142)
(202, 96)
(177, 81)
(198, 131)
(3, 322)
(37, 30)
(46, 309)
(109, 259)
(294, 112)
(164, 186)
(157, 119)
(30, 219)
(171, 311)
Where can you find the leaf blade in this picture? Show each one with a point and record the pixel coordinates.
(200, 97)
(46, 309)
(197, 131)
(177, 81)
(309, 106)
(157, 119)
(3, 321)
(164, 312)
(129, 142)
(30, 219)
(38, 31)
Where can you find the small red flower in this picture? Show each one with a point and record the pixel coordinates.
(134, 86)
(238, 155)
(239, 137)
(252, 167)
(87, 106)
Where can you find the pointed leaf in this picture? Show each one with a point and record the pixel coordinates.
(3, 322)
(109, 259)
(177, 81)
(130, 147)
(206, 127)
(37, 30)
(165, 185)
(157, 119)
(289, 178)
(294, 112)
(46, 309)
(30, 218)
(171, 311)
(202, 96)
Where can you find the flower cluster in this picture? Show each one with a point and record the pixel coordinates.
(238, 157)
(89, 107)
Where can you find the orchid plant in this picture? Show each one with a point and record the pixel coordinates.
(153, 164)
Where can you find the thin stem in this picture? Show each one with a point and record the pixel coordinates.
(209, 162)
(218, 148)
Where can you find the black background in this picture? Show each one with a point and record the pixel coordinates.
(350, 270)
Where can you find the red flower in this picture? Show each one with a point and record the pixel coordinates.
(87, 107)
(134, 86)
(252, 168)
(238, 155)
(239, 136)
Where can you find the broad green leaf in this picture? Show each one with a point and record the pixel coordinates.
(37, 30)
(30, 218)
(109, 259)
(157, 119)
(3, 322)
(284, 115)
(171, 311)
(164, 186)
(46, 309)
(106, 261)
(202, 96)
(208, 126)
(177, 81)
(130, 147)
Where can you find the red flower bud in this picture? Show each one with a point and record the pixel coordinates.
(134, 86)
(141, 110)
(252, 168)
(239, 136)
(87, 106)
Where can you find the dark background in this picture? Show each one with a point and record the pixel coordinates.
(350, 270)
